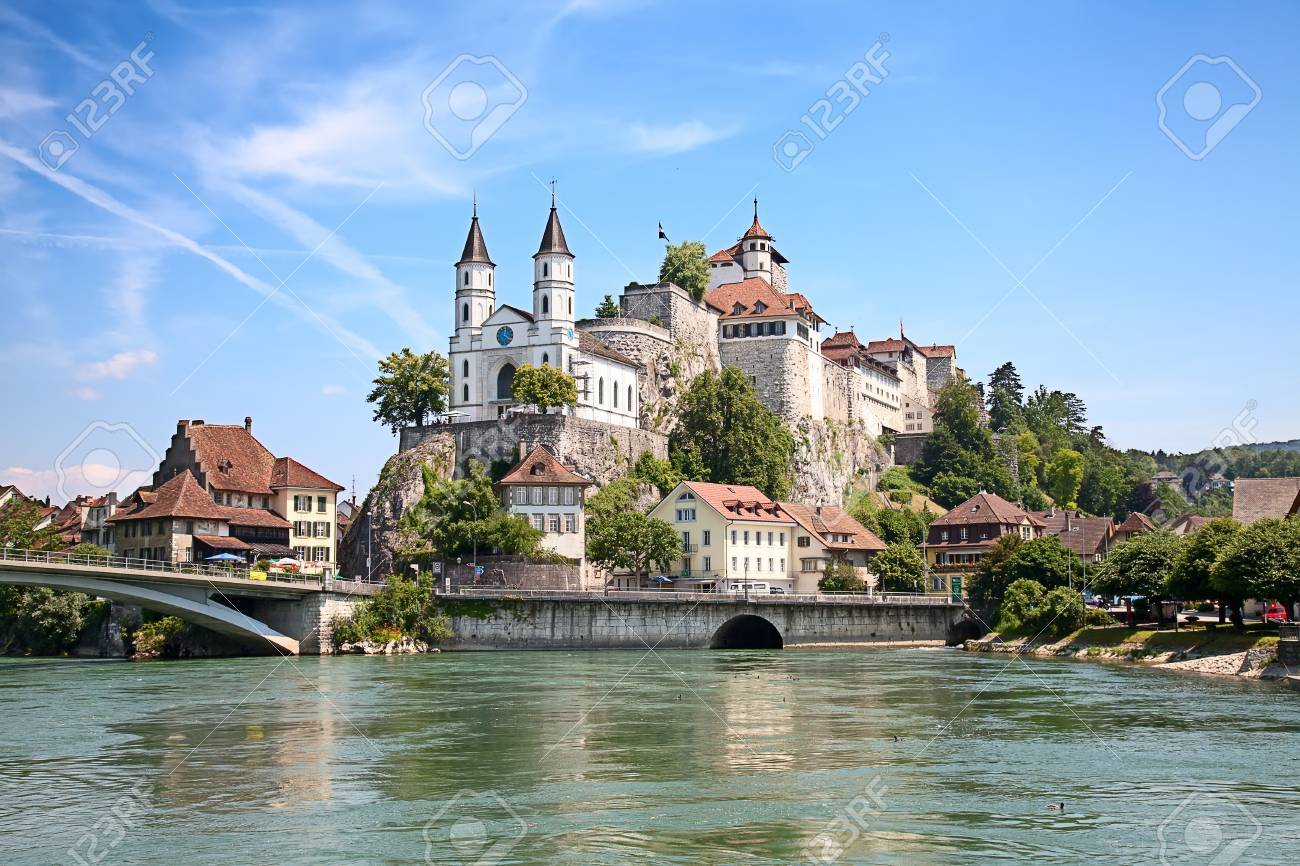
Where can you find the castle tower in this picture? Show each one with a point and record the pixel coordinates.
(475, 294)
(553, 278)
(756, 250)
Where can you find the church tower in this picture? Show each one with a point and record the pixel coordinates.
(756, 250)
(475, 294)
(553, 279)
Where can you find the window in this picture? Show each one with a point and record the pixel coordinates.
(685, 515)
(546, 269)
(708, 538)
(747, 538)
(600, 391)
(521, 496)
(758, 538)
(320, 504)
(322, 529)
(300, 553)
(553, 522)
(546, 304)
(465, 281)
(783, 565)
(464, 368)
(537, 496)
(465, 390)
(963, 533)
(570, 299)
(552, 496)
(546, 359)
(615, 395)
(570, 495)
(464, 308)
(629, 398)
(539, 522)
(803, 541)
(570, 523)
(770, 536)
(783, 539)
(707, 565)
(733, 537)
(733, 563)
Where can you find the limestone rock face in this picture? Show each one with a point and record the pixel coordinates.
(400, 486)
(828, 456)
(405, 646)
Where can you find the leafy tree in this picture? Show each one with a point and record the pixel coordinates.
(960, 447)
(87, 549)
(1143, 565)
(1063, 477)
(891, 525)
(39, 620)
(544, 387)
(726, 435)
(608, 308)
(1045, 560)
(1006, 396)
(632, 541)
(840, 577)
(1192, 576)
(403, 608)
(900, 568)
(687, 265)
(990, 583)
(951, 490)
(1262, 560)
(618, 496)
(1060, 613)
(1020, 605)
(18, 521)
(455, 515)
(409, 389)
(661, 473)
(1027, 456)
(1029, 608)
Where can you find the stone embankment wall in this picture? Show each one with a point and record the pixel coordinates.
(611, 623)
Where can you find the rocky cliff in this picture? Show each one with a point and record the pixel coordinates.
(829, 455)
(400, 485)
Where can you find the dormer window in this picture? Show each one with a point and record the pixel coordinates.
(760, 307)
(537, 469)
(737, 309)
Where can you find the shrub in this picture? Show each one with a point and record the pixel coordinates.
(403, 608)
(1093, 616)
(1020, 605)
(840, 577)
(1060, 613)
(158, 638)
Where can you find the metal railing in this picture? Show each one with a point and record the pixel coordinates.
(685, 596)
(122, 563)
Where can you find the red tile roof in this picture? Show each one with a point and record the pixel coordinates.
(730, 254)
(890, 345)
(739, 502)
(253, 517)
(751, 292)
(756, 230)
(1256, 498)
(824, 520)
(288, 472)
(1083, 535)
(983, 508)
(541, 466)
(1136, 522)
(937, 351)
(179, 497)
(231, 458)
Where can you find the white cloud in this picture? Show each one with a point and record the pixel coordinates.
(15, 101)
(675, 137)
(120, 366)
(86, 393)
(333, 390)
(91, 478)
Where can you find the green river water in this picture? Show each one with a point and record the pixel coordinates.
(623, 757)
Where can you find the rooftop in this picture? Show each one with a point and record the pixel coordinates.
(1256, 498)
(541, 466)
(984, 507)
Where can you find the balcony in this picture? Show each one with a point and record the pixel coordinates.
(690, 548)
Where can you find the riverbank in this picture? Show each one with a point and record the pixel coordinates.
(1221, 652)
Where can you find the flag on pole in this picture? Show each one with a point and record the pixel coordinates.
(663, 237)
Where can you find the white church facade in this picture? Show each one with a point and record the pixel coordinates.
(492, 341)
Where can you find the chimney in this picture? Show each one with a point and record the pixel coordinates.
(523, 449)
(197, 422)
(182, 425)
(248, 423)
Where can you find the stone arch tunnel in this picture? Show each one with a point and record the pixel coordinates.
(747, 631)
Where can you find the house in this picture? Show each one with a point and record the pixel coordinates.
(10, 493)
(827, 533)
(1090, 538)
(249, 502)
(958, 540)
(1135, 524)
(1188, 523)
(733, 537)
(1256, 498)
(551, 497)
(95, 528)
(1164, 476)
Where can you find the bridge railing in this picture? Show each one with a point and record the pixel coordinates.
(684, 596)
(123, 563)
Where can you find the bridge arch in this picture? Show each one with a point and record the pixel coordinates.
(192, 606)
(747, 631)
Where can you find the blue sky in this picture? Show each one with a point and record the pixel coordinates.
(1006, 187)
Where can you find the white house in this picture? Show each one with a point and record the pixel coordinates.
(550, 496)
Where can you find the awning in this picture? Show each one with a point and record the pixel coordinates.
(270, 549)
(223, 542)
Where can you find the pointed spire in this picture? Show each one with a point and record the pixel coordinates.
(475, 247)
(756, 230)
(553, 237)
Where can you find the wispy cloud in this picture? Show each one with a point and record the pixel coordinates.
(676, 137)
(17, 100)
(119, 366)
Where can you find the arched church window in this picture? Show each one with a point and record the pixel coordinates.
(615, 390)
(600, 391)
(629, 398)
(489, 279)
(569, 270)
(546, 269)
(464, 367)
(467, 278)
(466, 393)
(570, 306)
(464, 312)
(546, 304)
(506, 382)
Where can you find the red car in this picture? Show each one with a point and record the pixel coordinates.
(1275, 613)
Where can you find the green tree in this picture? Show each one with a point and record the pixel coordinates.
(687, 265)
(618, 496)
(900, 568)
(455, 515)
(1006, 396)
(661, 473)
(409, 389)
(632, 541)
(1262, 560)
(1045, 560)
(608, 308)
(544, 387)
(403, 608)
(840, 577)
(990, 581)
(951, 490)
(1063, 477)
(1020, 606)
(1143, 565)
(18, 521)
(39, 620)
(1060, 613)
(1192, 576)
(960, 447)
(726, 435)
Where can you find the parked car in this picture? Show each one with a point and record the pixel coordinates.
(1275, 613)
(754, 588)
(776, 590)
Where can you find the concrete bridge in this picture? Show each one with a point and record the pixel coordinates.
(506, 619)
(290, 614)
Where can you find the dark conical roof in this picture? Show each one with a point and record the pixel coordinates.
(475, 247)
(553, 238)
(756, 230)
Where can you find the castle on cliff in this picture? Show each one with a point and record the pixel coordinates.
(630, 368)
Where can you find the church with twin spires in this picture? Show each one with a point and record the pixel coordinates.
(492, 341)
